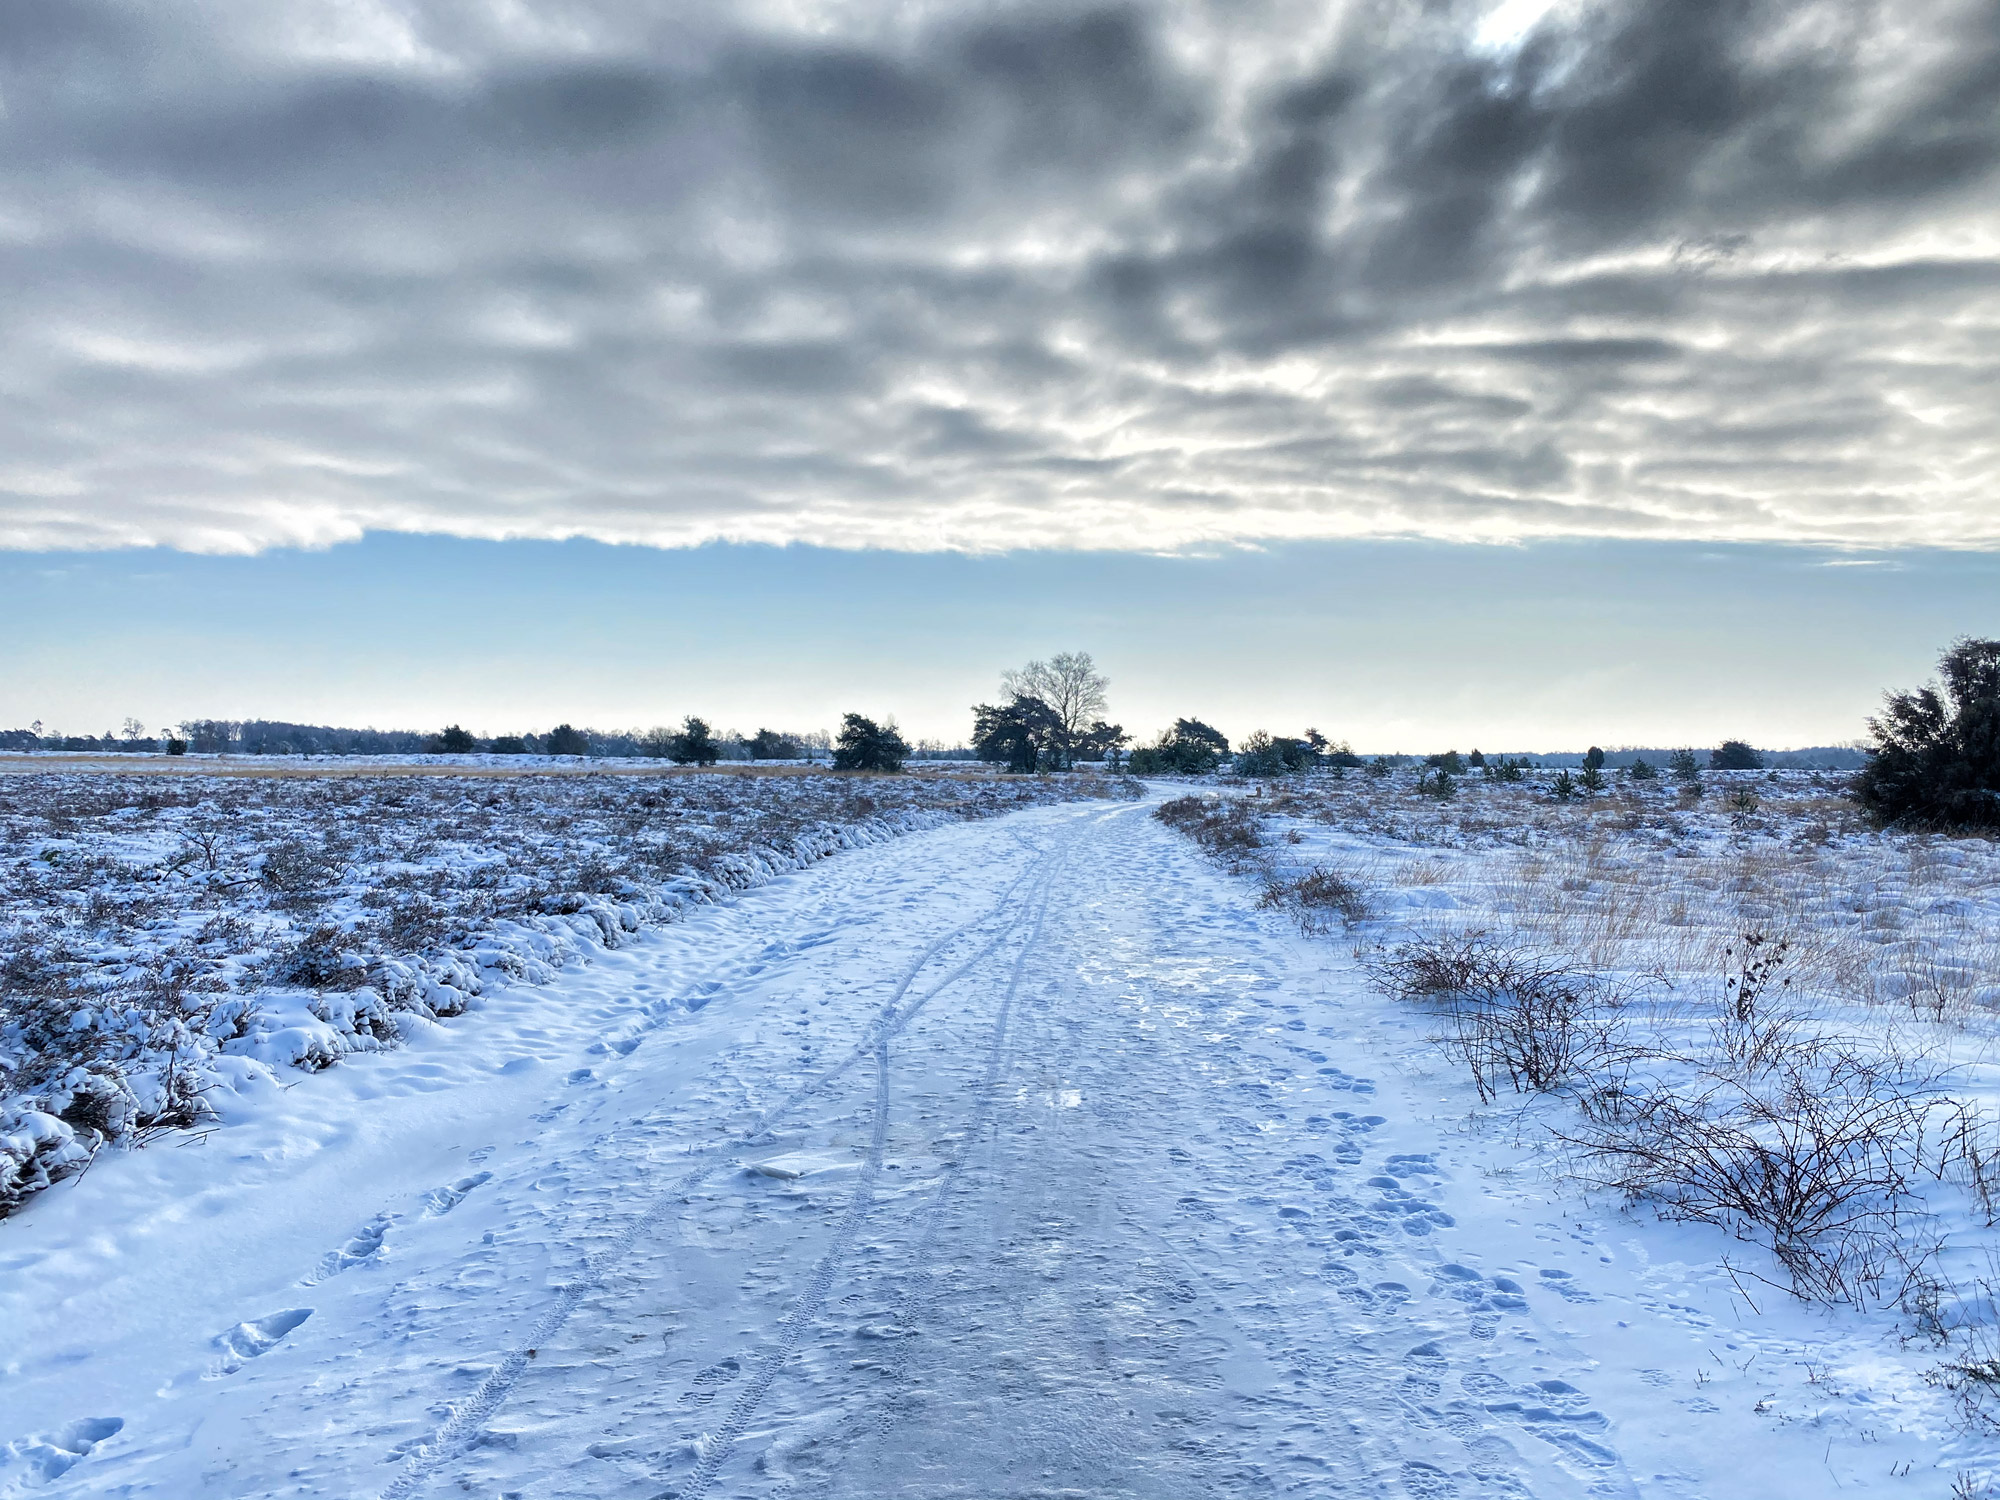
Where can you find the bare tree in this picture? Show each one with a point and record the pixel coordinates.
(1073, 690)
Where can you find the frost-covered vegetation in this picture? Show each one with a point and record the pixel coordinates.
(164, 937)
(1731, 999)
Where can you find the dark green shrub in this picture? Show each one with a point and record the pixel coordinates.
(455, 741)
(508, 744)
(1435, 781)
(1190, 748)
(694, 745)
(1451, 763)
(1591, 782)
(770, 744)
(1734, 755)
(1563, 788)
(865, 745)
(1936, 757)
(1261, 755)
(1640, 771)
(565, 740)
(1593, 759)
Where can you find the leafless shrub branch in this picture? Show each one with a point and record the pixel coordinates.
(1818, 1154)
(1517, 1015)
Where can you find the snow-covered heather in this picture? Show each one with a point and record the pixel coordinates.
(168, 937)
(1864, 1047)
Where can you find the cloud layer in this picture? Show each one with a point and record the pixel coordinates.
(992, 275)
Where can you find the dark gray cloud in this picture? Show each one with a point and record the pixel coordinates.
(1139, 276)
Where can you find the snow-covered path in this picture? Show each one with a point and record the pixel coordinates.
(1020, 1158)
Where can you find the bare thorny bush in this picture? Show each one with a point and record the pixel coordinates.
(1817, 1149)
(1514, 1015)
(1815, 1145)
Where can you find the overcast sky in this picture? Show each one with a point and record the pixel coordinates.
(976, 277)
(993, 275)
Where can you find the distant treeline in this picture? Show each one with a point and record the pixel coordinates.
(276, 737)
(1812, 758)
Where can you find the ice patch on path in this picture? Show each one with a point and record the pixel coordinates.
(248, 1341)
(797, 1165)
(38, 1460)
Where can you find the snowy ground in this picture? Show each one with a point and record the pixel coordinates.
(171, 932)
(1024, 1157)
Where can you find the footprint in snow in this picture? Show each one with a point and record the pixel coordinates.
(1565, 1283)
(442, 1200)
(48, 1456)
(706, 1382)
(248, 1341)
(1427, 1481)
(362, 1248)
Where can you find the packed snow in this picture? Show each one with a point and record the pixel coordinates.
(1046, 1155)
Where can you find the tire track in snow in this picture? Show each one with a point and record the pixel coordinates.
(916, 1300)
(716, 1447)
(466, 1419)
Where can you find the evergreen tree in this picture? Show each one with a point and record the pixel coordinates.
(1936, 757)
(865, 745)
(1734, 755)
(1190, 748)
(694, 745)
(770, 744)
(1021, 735)
(564, 740)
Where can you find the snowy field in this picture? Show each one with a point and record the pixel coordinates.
(1052, 1154)
(172, 932)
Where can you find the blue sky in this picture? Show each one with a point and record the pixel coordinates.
(1393, 645)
